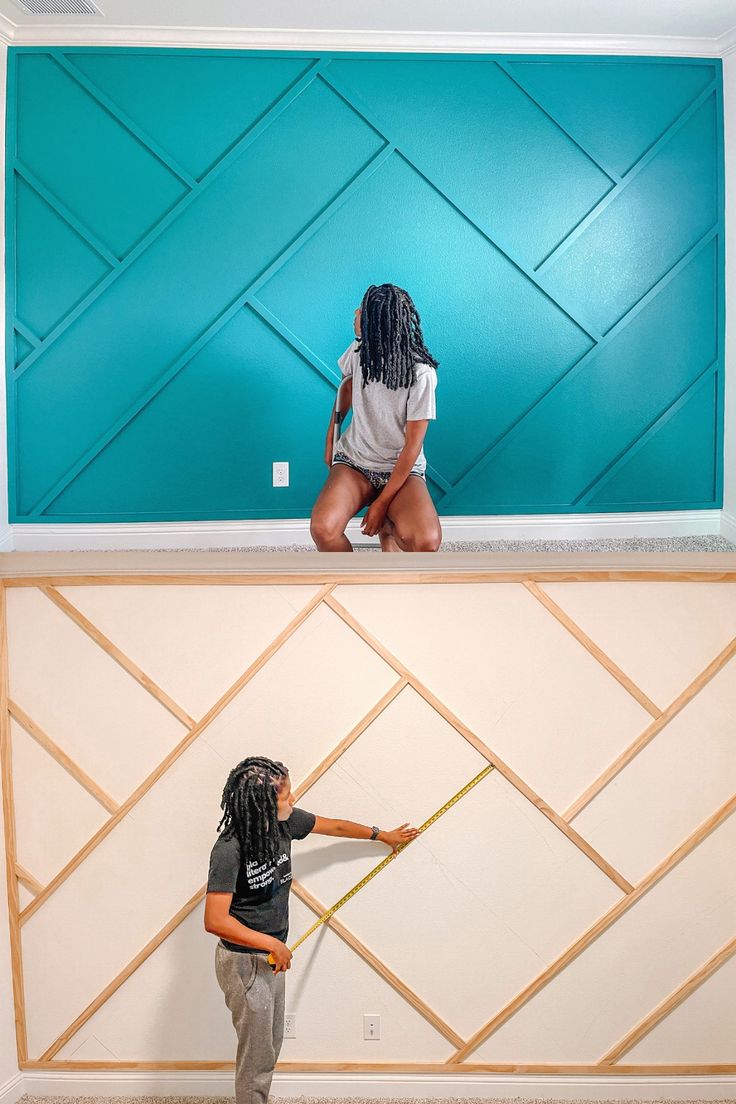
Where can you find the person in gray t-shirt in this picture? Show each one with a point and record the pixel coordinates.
(389, 379)
(247, 906)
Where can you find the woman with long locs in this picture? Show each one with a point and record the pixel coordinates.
(389, 379)
(247, 906)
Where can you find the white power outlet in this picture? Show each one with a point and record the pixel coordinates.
(281, 473)
(371, 1027)
(290, 1025)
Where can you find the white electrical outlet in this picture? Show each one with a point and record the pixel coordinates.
(290, 1025)
(371, 1027)
(281, 473)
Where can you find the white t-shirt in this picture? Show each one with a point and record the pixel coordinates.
(377, 431)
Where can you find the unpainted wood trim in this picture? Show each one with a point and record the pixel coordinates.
(60, 756)
(601, 925)
(651, 731)
(174, 754)
(669, 1003)
(582, 637)
(480, 746)
(11, 849)
(371, 577)
(122, 976)
(27, 879)
(402, 1067)
(409, 995)
(352, 736)
(118, 655)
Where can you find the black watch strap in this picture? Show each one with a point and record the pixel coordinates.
(374, 832)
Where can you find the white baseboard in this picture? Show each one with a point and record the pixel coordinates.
(13, 1089)
(374, 1086)
(728, 526)
(281, 532)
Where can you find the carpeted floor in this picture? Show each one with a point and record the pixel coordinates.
(609, 544)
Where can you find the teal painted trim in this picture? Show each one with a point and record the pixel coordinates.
(250, 136)
(63, 211)
(720, 293)
(28, 334)
(625, 180)
(11, 130)
(509, 434)
(626, 454)
(120, 116)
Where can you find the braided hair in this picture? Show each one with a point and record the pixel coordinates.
(391, 342)
(251, 807)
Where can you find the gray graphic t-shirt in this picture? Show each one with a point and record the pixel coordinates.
(260, 893)
(377, 431)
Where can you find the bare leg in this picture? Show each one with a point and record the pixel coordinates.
(415, 525)
(344, 493)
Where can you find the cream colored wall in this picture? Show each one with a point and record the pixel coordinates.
(492, 894)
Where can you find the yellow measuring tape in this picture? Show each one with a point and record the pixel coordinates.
(384, 862)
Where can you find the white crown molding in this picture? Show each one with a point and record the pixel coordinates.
(727, 42)
(56, 34)
(7, 30)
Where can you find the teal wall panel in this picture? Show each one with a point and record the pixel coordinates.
(189, 233)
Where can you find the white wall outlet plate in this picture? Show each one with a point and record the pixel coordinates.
(371, 1026)
(281, 473)
(290, 1025)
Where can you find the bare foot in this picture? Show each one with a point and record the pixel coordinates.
(386, 536)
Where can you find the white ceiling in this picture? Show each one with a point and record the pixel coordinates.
(699, 23)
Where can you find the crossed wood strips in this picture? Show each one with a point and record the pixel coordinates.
(458, 1061)
(322, 70)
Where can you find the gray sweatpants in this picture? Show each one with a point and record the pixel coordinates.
(255, 996)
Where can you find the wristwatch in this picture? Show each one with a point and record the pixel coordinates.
(374, 832)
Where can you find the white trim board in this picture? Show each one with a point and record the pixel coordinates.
(96, 33)
(372, 1086)
(280, 532)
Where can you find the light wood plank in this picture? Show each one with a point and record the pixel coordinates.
(118, 655)
(651, 731)
(78, 774)
(27, 879)
(380, 967)
(11, 848)
(174, 754)
(582, 637)
(400, 1067)
(480, 746)
(351, 737)
(123, 975)
(669, 1003)
(601, 925)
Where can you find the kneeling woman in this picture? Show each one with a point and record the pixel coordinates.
(389, 379)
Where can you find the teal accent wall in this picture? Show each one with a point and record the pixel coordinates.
(190, 231)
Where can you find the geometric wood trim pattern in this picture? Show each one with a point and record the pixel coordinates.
(458, 1061)
(550, 277)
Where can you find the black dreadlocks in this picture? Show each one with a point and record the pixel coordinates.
(251, 807)
(391, 340)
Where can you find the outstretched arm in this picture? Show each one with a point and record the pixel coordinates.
(350, 829)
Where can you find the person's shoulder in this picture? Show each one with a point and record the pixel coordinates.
(422, 369)
(227, 842)
(300, 822)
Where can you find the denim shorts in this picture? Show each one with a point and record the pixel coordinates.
(377, 479)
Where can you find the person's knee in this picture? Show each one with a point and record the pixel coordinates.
(325, 527)
(422, 540)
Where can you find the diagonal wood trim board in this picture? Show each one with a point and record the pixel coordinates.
(45, 570)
